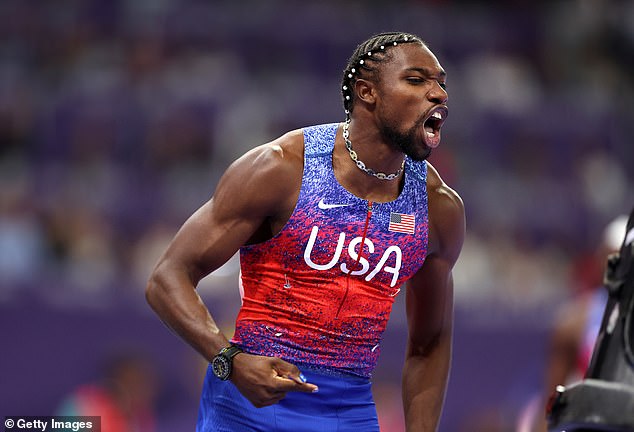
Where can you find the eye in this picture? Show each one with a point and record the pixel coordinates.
(443, 85)
(415, 80)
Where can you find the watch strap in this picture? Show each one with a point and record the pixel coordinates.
(230, 352)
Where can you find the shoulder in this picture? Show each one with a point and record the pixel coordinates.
(266, 175)
(446, 216)
(276, 156)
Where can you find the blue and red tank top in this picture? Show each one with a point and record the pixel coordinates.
(319, 293)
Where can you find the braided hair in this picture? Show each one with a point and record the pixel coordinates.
(365, 59)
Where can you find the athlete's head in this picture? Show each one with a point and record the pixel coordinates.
(400, 81)
(366, 59)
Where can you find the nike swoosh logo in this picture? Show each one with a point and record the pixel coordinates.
(322, 205)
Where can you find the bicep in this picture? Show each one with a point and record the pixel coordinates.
(239, 207)
(209, 238)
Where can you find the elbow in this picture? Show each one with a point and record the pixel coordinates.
(167, 282)
(424, 348)
(155, 288)
(151, 291)
(430, 344)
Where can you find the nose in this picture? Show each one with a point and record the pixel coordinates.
(437, 94)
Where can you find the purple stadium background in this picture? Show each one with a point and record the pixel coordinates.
(117, 118)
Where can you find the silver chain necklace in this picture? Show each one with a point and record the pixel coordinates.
(360, 164)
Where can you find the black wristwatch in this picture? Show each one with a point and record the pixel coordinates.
(222, 364)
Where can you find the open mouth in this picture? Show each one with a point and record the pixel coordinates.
(433, 124)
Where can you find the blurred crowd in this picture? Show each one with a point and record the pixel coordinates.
(117, 117)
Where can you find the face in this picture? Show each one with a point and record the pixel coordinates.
(411, 103)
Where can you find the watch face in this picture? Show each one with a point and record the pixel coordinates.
(221, 367)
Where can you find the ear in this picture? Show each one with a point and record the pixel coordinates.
(365, 91)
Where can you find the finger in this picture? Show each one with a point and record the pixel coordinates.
(305, 388)
(286, 384)
(284, 368)
(289, 371)
(291, 378)
(299, 379)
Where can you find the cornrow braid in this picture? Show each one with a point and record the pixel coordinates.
(365, 59)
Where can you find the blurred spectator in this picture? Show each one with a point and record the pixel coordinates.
(22, 248)
(124, 399)
(576, 328)
(120, 112)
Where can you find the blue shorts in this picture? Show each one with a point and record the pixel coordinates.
(342, 404)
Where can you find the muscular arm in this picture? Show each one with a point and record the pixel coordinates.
(429, 306)
(253, 198)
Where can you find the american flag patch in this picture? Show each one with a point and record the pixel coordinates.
(401, 223)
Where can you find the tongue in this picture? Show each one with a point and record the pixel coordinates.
(432, 138)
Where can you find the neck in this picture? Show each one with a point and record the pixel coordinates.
(370, 154)
(358, 182)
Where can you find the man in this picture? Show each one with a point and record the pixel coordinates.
(330, 221)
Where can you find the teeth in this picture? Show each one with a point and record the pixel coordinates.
(437, 115)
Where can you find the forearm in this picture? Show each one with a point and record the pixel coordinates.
(172, 295)
(425, 375)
